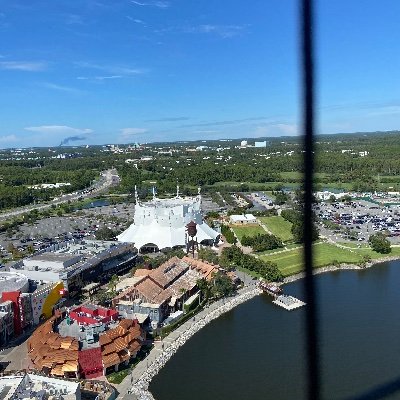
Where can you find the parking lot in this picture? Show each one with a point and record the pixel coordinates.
(79, 224)
(359, 219)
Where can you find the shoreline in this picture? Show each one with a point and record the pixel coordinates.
(140, 388)
(341, 267)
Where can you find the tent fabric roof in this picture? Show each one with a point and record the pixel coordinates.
(163, 222)
(163, 236)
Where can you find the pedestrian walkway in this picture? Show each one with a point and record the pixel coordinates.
(135, 386)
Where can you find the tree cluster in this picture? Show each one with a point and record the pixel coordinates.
(228, 234)
(281, 198)
(234, 257)
(297, 220)
(221, 285)
(105, 233)
(262, 242)
(206, 254)
(379, 243)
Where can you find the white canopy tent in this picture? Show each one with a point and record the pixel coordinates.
(162, 222)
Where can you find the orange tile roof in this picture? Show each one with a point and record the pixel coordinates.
(142, 272)
(104, 339)
(207, 269)
(166, 273)
(110, 359)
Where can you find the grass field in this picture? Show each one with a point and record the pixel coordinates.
(374, 255)
(250, 230)
(278, 226)
(290, 262)
(354, 245)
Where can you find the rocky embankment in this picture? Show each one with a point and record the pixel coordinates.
(141, 387)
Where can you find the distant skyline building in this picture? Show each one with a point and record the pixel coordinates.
(161, 223)
(260, 144)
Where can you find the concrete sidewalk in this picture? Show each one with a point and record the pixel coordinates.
(141, 368)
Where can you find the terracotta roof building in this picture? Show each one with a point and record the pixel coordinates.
(163, 290)
(66, 356)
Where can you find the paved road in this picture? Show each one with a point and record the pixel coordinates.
(109, 177)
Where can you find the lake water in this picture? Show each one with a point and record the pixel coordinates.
(97, 203)
(256, 350)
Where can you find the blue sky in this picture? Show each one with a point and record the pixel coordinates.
(119, 71)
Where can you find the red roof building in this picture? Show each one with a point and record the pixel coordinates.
(90, 314)
(91, 363)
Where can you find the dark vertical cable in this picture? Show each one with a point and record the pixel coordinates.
(308, 127)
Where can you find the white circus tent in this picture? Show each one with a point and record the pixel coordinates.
(162, 223)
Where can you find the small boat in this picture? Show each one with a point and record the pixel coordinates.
(271, 288)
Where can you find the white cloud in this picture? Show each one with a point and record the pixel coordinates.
(128, 134)
(99, 78)
(32, 66)
(74, 19)
(8, 139)
(276, 130)
(61, 88)
(158, 4)
(137, 21)
(114, 70)
(388, 110)
(287, 129)
(132, 131)
(58, 130)
(224, 31)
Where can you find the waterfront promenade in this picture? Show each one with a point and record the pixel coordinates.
(135, 385)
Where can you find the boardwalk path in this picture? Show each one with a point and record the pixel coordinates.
(135, 386)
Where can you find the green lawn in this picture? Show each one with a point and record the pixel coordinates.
(286, 247)
(354, 245)
(374, 255)
(249, 230)
(278, 226)
(290, 262)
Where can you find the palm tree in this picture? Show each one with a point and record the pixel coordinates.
(112, 284)
(204, 288)
(183, 291)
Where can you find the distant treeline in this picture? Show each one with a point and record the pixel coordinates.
(339, 161)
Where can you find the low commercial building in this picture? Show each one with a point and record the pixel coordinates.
(36, 387)
(260, 144)
(159, 292)
(89, 314)
(6, 322)
(64, 347)
(77, 263)
(18, 305)
(23, 305)
(243, 219)
(13, 281)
